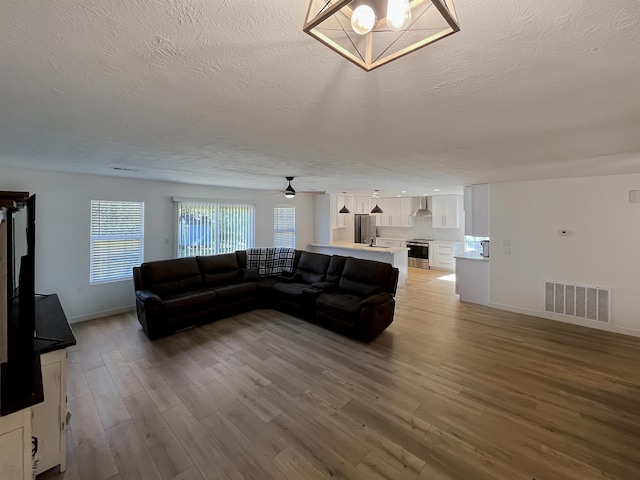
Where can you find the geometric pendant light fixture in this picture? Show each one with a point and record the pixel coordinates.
(371, 33)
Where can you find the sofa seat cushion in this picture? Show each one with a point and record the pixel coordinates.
(187, 302)
(342, 306)
(235, 293)
(265, 285)
(289, 289)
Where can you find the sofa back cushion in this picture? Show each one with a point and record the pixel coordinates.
(219, 270)
(312, 267)
(365, 277)
(336, 266)
(171, 277)
(242, 258)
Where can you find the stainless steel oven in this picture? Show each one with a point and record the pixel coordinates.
(418, 252)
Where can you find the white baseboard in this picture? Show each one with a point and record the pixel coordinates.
(103, 313)
(574, 321)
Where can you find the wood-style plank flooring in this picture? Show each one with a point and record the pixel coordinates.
(449, 391)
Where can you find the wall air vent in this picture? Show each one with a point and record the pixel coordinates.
(581, 301)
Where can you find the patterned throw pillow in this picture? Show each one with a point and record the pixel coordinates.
(260, 258)
(283, 260)
(270, 261)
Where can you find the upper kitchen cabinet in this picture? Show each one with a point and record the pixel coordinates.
(340, 219)
(446, 210)
(362, 205)
(396, 212)
(383, 219)
(407, 207)
(476, 210)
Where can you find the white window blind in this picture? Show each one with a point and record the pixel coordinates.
(211, 227)
(117, 239)
(284, 226)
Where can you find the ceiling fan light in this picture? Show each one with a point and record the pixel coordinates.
(289, 192)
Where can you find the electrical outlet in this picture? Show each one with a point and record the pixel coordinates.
(506, 250)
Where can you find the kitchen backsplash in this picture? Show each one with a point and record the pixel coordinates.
(396, 232)
(425, 230)
(422, 229)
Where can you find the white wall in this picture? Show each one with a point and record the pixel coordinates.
(62, 229)
(322, 232)
(602, 250)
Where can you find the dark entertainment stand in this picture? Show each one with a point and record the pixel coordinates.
(21, 385)
(34, 336)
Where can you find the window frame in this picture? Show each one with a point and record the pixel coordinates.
(213, 208)
(291, 230)
(126, 273)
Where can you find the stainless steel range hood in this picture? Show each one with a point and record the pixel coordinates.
(423, 211)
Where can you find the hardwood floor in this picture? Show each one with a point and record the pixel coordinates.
(449, 391)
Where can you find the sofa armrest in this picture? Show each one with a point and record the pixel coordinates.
(147, 295)
(377, 299)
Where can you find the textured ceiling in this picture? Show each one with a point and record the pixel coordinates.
(233, 93)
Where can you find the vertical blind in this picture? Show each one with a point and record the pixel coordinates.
(117, 239)
(284, 227)
(211, 227)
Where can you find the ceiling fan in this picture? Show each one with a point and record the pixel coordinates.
(290, 192)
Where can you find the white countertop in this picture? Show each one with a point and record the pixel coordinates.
(361, 246)
(472, 256)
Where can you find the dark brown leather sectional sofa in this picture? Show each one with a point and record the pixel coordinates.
(352, 296)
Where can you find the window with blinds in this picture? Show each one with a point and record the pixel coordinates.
(117, 239)
(211, 227)
(284, 226)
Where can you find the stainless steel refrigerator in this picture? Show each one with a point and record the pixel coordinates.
(365, 228)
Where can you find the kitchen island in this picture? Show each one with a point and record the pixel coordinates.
(396, 256)
(472, 278)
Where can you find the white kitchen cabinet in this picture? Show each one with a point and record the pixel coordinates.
(340, 219)
(49, 418)
(476, 210)
(472, 279)
(362, 205)
(446, 211)
(15, 446)
(396, 212)
(442, 255)
(406, 209)
(382, 219)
